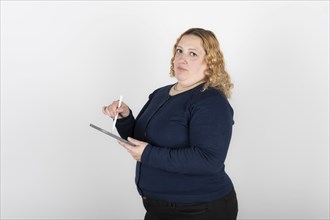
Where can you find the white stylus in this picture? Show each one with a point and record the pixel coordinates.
(115, 120)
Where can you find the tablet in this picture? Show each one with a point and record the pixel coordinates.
(112, 135)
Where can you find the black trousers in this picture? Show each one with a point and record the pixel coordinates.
(223, 209)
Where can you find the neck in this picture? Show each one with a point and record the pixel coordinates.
(181, 87)
(175, 90)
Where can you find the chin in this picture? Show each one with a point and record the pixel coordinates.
(180, 76)
(180, 79)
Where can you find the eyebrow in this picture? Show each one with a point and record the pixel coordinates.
(189, 49)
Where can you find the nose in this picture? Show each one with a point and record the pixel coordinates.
(183, 58)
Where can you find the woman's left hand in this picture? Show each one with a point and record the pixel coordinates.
(136, 151)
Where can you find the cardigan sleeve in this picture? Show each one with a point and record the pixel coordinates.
(125, 126)
(210, 129)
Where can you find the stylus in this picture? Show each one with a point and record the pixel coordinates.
(116, 117)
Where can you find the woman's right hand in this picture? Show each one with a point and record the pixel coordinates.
(112, 110)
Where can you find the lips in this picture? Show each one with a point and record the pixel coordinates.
(180, 68)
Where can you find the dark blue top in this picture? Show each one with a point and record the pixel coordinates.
(188, 135)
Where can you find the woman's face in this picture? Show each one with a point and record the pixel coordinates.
(189, 64)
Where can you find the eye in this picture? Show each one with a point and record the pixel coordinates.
(193, 54)
(178, 50)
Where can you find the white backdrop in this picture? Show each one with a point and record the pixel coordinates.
(61, 61)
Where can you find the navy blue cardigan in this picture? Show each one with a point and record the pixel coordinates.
(188, 135)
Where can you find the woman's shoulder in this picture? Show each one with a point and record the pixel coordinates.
(165, 88)
(164, 91)
(211, 101)
(209, 93)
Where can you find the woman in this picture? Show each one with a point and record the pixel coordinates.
(182, 135)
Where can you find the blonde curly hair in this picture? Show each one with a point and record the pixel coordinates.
(216, 75)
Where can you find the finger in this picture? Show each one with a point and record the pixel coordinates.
(116, 109)
(104, 110)
(126, 146)
(107, 111)
(119, 110)
(113, 108)
(134, 141)
(116, 104)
